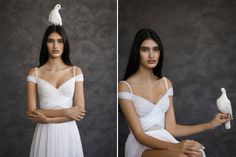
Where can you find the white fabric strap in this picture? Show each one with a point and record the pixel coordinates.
(170, 92)
(128, 86)
(166, 83)
(125, 95)
(36, 72)
(79, 78)
(74, 68)
(31, 79)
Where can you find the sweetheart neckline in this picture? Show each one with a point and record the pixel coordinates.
(57, 88)
(154, 104)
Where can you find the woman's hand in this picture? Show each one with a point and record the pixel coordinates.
(37, 117)
(75, 113)
(219, 119)
(190, 147)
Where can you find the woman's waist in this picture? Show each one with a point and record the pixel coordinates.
(155, 127)
(55, 104)
(152, 122)
(62, 124)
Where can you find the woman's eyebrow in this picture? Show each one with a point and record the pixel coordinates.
(149, 47)
(55, 39)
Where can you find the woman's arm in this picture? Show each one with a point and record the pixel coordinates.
(78, 97)
(133, 122)
(31, 93)
(32, 112)
(77, 112)
(79, 90)
(38, 117)
(185, 130)
(72, 112)
(53, 112)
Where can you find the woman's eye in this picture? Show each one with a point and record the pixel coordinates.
(60, 41)
(144, 49)
(50, 41)
(156, 49)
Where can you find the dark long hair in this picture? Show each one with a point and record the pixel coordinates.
(134, 58)
(44, 49)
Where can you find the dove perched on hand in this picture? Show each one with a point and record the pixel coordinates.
(224, 106)
(54, 16)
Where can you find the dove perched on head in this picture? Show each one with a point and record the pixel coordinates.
(54, 16)
(224, 106)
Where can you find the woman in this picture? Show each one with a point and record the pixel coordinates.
(146, 101)
(59, 86)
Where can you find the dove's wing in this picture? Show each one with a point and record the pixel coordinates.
(59, 19)
(219, 105)
(228, 107)
(50, 17)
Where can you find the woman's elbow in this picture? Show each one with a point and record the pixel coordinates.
(140, 137)
(171, 130)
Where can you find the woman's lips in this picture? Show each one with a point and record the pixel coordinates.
(55, 51)
(151, 61)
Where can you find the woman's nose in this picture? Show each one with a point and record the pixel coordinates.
(151, 53)
(55, 44)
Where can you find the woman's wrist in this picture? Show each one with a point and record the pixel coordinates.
(210, 125)
(48, 120)
(171, 146)
(65, 112)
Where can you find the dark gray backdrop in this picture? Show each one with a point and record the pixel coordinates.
(91, 28)
(199, 39)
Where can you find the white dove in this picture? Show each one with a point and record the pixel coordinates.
(54, 16)
(224, 106)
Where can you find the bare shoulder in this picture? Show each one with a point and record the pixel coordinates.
(123, 87)
(169, 83)
(32, 72)
(78, 70)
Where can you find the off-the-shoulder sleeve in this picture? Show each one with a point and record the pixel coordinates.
(31, 79)
(170, 91)
(79, 78)
(125, 95)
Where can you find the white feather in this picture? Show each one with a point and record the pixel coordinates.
(224, 106)
(54, 16)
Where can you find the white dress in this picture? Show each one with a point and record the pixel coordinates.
(56, 139)
(152, 119)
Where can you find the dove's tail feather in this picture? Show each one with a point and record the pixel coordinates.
(227, 125)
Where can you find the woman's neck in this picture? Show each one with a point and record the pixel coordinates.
(145, 74)
(55, 64)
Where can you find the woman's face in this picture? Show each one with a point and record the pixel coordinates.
(149, 53)
(55, 45)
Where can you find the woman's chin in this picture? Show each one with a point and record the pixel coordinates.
(54, 56)
(151, 66)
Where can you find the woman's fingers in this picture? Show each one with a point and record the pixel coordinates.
(225, 116)
(220, 119)
(77, 116)
(37, 113)
(192, 147)
(82, 114)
